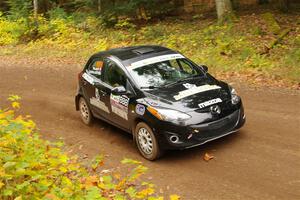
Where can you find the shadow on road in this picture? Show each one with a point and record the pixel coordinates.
(121, 138)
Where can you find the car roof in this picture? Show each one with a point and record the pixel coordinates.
(128, 55)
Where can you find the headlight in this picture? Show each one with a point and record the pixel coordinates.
(169, 115)
(235, 99)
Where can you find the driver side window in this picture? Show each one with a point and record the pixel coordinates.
(95, 68)
(113, 74)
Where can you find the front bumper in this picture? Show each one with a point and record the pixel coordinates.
(198, 134)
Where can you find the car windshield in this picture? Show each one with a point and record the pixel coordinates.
(165, 72)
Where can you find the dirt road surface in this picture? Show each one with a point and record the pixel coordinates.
(262, 161)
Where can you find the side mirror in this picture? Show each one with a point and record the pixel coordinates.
(120, 90)
(205, 68)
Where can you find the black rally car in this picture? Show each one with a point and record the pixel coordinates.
(164, 99)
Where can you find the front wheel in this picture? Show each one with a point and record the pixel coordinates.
(85, 112)
(147, 142)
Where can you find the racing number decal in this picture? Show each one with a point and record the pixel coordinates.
(119, 105)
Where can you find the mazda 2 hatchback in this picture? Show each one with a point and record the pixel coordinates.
(162, 98)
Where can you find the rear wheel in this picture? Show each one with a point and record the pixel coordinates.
(147, 142)
(85, 112)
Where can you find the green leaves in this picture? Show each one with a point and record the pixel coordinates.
(97, 162)
(131, 191)
(93, 193)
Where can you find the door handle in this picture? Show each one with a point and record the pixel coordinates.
(103, 93)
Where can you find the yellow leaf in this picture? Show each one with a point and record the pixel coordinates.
(174, 197)
(145, 192)
(6, 114)
(2, 115)
(15, 105)
(207, 157)
(2, 173)
(14, 98)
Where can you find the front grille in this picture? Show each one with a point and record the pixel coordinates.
(216, 128)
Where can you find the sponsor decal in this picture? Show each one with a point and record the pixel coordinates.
(88, 78)
(97, 94)
(95, 101)
(95, 72)
(189, 86)
(153, 60)
(119, 105)
(195, 90)
(152, 103)
(140, 109)
(209, 103)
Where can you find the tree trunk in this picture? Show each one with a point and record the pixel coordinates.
(3, 6)
(224, 10)
(35, 8)
(35, 16)
(99, 7)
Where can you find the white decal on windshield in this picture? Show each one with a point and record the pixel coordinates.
(195, 90)
(209, 103)
(188, 85)
(153, 60)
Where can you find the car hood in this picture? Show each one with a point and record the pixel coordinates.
(186, 96)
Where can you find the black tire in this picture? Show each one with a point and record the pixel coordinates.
(144, 136)
(85, 112)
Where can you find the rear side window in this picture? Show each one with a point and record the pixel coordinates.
(113, 74)
(95, 67)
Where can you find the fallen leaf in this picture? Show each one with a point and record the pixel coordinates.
(174, 197)
(15, 105)
(207, 157)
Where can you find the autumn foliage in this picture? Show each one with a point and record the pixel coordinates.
(33, 168)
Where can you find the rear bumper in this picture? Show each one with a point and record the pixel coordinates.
(195, 135)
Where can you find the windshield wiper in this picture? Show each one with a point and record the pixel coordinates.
(151, 87)
(182, 80)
